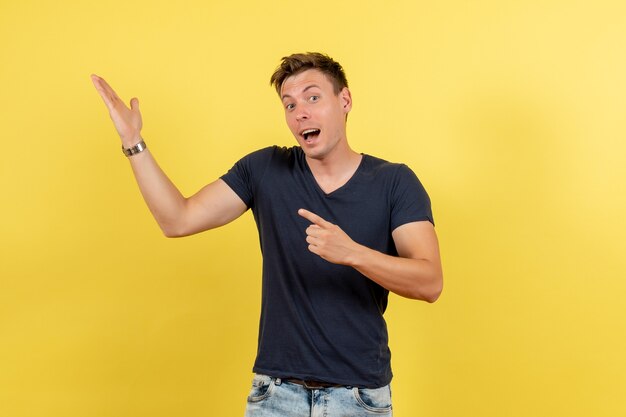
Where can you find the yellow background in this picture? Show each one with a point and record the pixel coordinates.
(512, 114)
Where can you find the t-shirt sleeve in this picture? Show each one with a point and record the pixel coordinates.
(409, 200)
(246, 174)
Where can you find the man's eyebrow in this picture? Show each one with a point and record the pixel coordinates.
(284, 96)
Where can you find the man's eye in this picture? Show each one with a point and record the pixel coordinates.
(314, 98)
(290, 106)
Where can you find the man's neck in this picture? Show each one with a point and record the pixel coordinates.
(336, 169)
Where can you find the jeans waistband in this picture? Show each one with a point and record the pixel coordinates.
(312, 384)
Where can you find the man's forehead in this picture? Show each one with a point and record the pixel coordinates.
(298, 82)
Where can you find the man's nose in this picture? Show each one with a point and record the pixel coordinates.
(302, 113)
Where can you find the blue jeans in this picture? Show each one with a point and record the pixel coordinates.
(272, 397)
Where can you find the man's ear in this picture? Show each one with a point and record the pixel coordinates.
(346, 99)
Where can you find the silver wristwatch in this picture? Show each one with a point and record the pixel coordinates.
(133, 150)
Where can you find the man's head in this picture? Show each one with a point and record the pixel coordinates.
(316, 100)
(316, 104)
(294, 64)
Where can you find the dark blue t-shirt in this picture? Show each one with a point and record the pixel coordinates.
(321, 321)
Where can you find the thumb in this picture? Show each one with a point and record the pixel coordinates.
(134, 103)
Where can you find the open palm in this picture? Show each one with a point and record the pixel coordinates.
(127, 120)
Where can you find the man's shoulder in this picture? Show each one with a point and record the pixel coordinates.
(271, 159)
(384, 167)
(274, 151)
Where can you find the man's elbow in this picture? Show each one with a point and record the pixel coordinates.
(433, 296)
(173, 230)
(431, 292)
(171, 234)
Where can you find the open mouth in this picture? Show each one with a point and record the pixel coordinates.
(310, 133)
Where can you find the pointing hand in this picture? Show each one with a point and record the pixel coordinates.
(328, 240)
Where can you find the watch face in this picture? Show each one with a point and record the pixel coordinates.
(134, 149)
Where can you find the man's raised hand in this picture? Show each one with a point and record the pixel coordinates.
(127, 121)
(328, 240)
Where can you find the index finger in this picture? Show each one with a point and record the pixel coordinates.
(313, 218)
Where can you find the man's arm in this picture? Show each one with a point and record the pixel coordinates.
(214, 205)
(416, 271)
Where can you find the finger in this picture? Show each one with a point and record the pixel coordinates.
(134, 103)
(314, 249)
(313, 218)
(313, 230)
(106, 92)
(101, 85)
(106, 88)
(103, 93)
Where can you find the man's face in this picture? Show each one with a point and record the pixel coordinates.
(315, 115)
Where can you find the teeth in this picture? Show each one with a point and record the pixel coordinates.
(307, 132)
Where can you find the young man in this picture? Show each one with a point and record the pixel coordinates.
(338, 231)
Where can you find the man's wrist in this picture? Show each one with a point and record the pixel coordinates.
(358, 256)
(131, 141)
(138, 147)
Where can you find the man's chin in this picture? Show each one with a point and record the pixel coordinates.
(313, 153)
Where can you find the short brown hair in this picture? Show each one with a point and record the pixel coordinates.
(297, 63)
